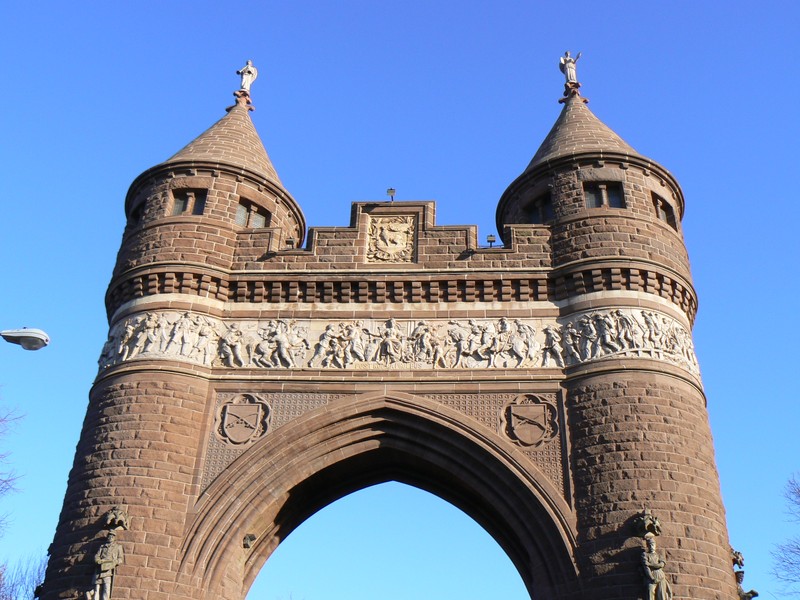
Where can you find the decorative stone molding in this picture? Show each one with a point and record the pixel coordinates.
(418, 289)
(401, 344)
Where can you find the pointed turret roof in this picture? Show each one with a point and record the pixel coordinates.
(233, 140)
(578, 131)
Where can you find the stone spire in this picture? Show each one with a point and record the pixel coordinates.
(233, 140)
(578, 131)
(578, 140)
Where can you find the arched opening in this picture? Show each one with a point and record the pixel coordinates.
(389, 541)
(330, 453)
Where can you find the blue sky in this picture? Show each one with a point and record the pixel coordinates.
(441, 100)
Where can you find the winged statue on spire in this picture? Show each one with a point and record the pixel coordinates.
(567, 64)
(249, 74)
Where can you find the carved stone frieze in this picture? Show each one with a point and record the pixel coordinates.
(397, 344)
(391, 239)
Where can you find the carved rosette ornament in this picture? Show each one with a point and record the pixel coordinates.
(243, 419)
(391, 239)
(529, 420)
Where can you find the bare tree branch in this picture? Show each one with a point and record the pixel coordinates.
(19, 580)
(787, 555)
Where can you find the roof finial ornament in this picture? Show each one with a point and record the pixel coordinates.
(248, 74)
(568, 66)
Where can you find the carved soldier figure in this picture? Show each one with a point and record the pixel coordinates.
(439, 347)
(283, 345)
(140, 341)
(230, 346)
(107, 354)
(458, 337)
(552, 347)
(183, 335)
(625, 330)
(740, 590)
(588, 338)
(124, 342)
(325, 347)
(658, 587)
(161, 332)
(421, 337)
(605, 333)
(571, 343)
(353, 343)
(500, 342)
(653, 338)
(107, 558)
(204, 345)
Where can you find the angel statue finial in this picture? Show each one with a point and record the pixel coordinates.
(249, 74)
(567, 66)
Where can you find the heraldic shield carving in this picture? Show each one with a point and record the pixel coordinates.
(243, 419)
(391, 239)
(530, 420)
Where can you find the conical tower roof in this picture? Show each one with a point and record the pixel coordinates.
(233, 140)
(577, 131)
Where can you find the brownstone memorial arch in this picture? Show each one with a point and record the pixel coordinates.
(547, 387)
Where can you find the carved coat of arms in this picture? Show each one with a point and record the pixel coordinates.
(530, 420)
(391, 239)
(243, 419)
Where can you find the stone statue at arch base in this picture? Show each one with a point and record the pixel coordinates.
(658, 587)
(107, 558)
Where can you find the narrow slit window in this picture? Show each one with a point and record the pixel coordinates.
(252, 216)
(540, 211)
(188, 202)
(241, 215)
(603, 194)
(664, 211)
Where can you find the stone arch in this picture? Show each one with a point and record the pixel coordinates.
(369, 439)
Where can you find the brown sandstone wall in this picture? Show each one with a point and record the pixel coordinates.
(643, 440)
(138, 450)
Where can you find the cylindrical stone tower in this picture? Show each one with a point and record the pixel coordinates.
(141, 436)
(638, 424)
